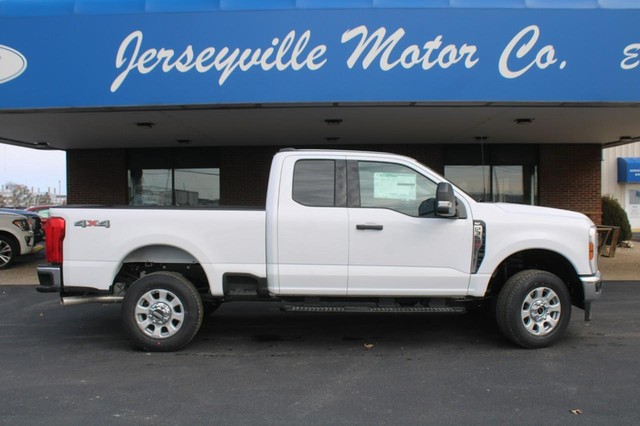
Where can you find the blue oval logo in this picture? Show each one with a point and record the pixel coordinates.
(12, 64)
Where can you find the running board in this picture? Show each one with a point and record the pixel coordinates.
(376, 309)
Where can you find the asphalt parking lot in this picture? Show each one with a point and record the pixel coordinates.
(253, 364)
(23, 270)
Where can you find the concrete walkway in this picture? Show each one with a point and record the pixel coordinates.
(624, 266)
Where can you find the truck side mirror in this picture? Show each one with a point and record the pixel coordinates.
(445, 200)
(427, 208)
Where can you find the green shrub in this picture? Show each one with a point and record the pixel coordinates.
(614, 215)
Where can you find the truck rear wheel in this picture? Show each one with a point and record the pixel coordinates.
(162, 312)
(533, 309)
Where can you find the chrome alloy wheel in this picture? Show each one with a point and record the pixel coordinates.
(159, 314)
(6, 253)
(541, 311)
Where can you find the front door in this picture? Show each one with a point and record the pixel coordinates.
(392, 249)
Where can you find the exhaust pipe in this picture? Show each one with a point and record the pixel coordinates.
(81, 300)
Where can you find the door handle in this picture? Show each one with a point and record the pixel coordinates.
(369, 227)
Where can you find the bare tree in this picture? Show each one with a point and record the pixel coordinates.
(19, 196)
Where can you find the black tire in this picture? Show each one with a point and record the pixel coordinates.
(533, 309)
(8, 251)
(162, 312)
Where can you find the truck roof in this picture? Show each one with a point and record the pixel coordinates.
(344, 152)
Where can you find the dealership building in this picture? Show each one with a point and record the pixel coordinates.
(184, 102)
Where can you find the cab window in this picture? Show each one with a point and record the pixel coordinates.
(314, 183)
(393, 186)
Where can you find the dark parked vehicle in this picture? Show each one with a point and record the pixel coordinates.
(43, 212)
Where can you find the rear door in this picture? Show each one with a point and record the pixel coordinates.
(312, 221)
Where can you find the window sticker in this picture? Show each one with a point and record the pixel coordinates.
(395, 186)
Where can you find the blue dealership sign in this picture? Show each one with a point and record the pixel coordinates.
(304, 56)
(628, 170)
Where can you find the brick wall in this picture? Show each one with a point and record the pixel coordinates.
(244, 171)
(244, 175)
(569, 178)
(97, 176)
(569, 175)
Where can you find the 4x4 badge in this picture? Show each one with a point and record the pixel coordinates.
(92, 223)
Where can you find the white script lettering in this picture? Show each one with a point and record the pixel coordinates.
(378, 47)
(631, 60)
(291, 52)
(543, 59)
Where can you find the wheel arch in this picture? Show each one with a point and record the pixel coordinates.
(159, 253)
(152, 258)
(12, 237)
(541, 259)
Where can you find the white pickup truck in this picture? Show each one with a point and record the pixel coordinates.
(342, 231)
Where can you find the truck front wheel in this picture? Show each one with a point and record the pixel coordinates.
(162, 312)
(533, 309)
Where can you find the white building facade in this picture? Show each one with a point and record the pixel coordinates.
(621, 179)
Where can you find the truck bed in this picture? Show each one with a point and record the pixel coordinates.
(220, 239)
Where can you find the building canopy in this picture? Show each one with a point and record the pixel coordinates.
(122, 53)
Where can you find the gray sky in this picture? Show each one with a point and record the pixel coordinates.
(37, 169)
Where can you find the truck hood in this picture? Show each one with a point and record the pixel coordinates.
(535, 213)
(536, 210)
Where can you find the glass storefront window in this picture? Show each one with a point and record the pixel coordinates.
(180, 187)
(197, 187)
(474, 180)
(150, 187)
(509, 184)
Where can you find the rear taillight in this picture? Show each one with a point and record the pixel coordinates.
(54, 230)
